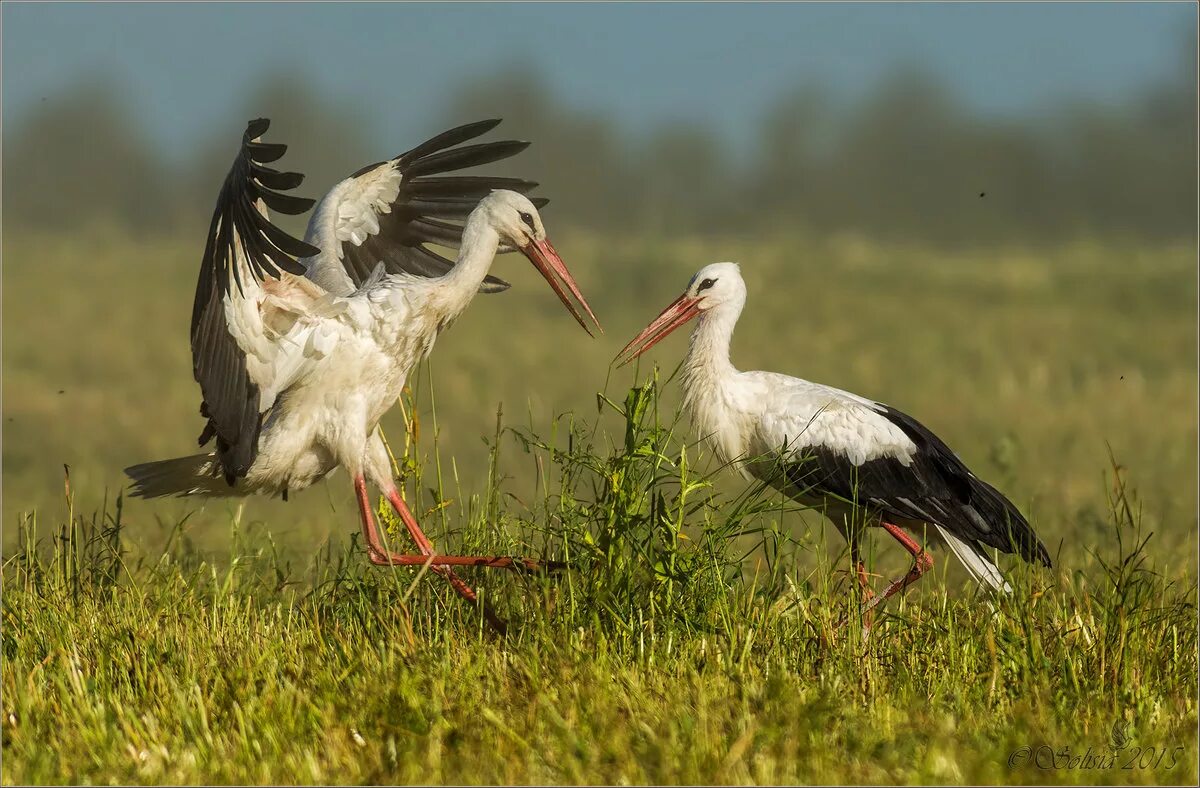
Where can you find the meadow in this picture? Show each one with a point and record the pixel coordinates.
(705, 632)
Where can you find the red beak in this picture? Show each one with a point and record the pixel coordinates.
(546, 260)
(680, 311)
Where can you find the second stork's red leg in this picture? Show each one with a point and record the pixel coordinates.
(922, 563)
(864, 582)
(860, 569)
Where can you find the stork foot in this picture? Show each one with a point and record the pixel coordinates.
(457, 583)
(380, 556)
(426, 547)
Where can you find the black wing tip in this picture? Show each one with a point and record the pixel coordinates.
(493, 284)
(236, 216)
(447, 140)
(1022, 539)
(1032, 549)
(256, 128)
(421, 162)
(306, 250)
(1029, 547)
(468, 131)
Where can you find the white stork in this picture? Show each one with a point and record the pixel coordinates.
(862, 462)
(298, 361)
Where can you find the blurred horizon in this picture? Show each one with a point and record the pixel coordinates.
(997, 59)
(941, 123)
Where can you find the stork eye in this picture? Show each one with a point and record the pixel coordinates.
(528, 219)
(707, 283)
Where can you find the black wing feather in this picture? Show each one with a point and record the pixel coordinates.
(231, 399)
(263, 152)
(936, 487)
(466, 156)
(468, 186)
(430, 207)
(446, 139)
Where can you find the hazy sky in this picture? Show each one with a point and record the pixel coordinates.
(716, 64)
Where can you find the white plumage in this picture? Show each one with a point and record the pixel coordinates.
(350, 212)
(861, 462)
(298, 361)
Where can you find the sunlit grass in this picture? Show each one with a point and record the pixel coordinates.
(684, 647)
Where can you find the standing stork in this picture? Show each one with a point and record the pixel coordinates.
(862, 462)
(300, 347)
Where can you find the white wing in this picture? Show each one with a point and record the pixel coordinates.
(834, 443)
(388, 213)
(796, 414)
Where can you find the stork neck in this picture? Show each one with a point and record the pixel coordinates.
(708, 352)
(480, 241)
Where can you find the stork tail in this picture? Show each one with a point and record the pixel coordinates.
(181, 476)
(979, 567)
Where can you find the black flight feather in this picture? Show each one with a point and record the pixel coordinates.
(466, 156)
(936, 487)
(230, 399)
(446, 139)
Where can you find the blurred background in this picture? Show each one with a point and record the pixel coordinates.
(984, 214)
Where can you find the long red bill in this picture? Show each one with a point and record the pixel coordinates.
(546, 260)
(680, 311)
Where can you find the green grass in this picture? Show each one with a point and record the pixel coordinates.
(700, 636)
(658, 660)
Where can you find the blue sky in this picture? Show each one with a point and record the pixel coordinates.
(717, 64)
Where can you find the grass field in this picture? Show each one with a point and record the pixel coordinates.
(698, 637)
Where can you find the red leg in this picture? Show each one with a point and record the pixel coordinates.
(380, 556)
(410, 522)
(426, 547)
(864, 582)
(860, 569)
(922, 563)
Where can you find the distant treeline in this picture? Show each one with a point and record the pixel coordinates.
(909, 162)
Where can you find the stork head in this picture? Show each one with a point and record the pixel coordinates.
(718, 286)
(515, 218)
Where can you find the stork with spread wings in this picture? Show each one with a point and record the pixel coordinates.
(300, 347)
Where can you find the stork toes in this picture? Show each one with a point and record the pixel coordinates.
(426, 547)
(382, 557)
(379, 555)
